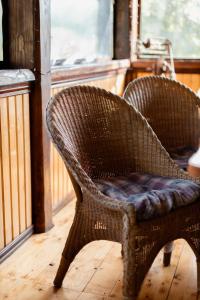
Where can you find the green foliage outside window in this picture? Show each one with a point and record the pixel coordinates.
(176, 20)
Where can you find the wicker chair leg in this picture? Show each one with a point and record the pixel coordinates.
(129, 278)
(62, 270)
(167, 254)
(122, 252)
(73, 245)
(129, 288)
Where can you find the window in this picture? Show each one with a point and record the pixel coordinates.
(178, 21)
(81, 31)
(1, 34)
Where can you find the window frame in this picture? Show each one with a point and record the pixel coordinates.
(75, 65)
(122, 10)
(181, 64)
(4, 64)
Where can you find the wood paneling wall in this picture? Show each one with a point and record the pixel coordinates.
(191, 80)
(15, 171)
(61, 186)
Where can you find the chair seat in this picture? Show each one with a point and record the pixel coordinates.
(181, 156)
(151, 195)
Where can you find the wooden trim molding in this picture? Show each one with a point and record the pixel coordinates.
(29, 47)
(82, 73)
(19, 33)
(15, 82)
(181, 66)
(139, 8)
(8, 250)
(187, 66)
(5, 31)
(122, 29)
(15, 89)
(40, 143)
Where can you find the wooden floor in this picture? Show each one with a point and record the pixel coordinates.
(95, 274)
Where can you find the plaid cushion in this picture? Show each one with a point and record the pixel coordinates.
(181, 156)
(151, 195)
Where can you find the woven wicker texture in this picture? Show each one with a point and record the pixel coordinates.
(99, 135)
(170, 107)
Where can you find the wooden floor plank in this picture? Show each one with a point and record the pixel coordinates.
(102, 282)
(87, 262)
(159, 279)
(88, 296)
(184, 285)
(18, 289)
(34, 255)
(95, 274)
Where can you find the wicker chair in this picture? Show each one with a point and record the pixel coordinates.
(172, 110)
(100, 136)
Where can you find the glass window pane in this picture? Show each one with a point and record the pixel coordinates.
(178, 21)
(1, 34)
(81, 31)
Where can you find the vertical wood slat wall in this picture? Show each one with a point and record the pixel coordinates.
(61, 186)
(191, 80)
(15, 168)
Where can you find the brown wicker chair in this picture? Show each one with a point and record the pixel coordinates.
(99, 135)
(172, 110)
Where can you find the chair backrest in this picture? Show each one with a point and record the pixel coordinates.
(171, 109)
(99, 134)
(94, 128)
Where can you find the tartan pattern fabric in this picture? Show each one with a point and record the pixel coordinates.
(181, 156)
(151, 195)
